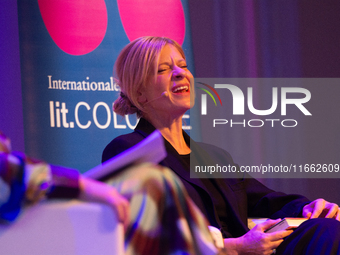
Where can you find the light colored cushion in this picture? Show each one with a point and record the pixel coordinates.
(64, 227)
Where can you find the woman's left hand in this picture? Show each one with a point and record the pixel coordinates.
(320, 208)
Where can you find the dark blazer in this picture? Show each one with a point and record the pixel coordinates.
(240, 197)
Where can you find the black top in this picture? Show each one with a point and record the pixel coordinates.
(226, 202)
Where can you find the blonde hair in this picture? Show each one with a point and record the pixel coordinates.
(135, 64)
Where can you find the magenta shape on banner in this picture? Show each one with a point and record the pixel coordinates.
(153, 18)
(77, 27)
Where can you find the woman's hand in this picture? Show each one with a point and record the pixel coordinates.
(95, 191)
(320, 208)
(256, 241)
(5, 143)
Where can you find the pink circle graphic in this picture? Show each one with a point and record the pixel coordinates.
(153, 18)
(76, 26)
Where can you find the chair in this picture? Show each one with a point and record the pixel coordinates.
(67, 227)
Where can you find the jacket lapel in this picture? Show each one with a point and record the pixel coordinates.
(173, 161)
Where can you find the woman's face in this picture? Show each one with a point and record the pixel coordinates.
(170, 90)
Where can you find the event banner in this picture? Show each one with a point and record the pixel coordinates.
(67, 53)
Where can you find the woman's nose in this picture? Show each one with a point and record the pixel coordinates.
(179, 72)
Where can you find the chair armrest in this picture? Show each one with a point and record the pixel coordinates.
(252, 222)
(64, 227)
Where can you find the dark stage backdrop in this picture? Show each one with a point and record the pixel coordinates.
(276, 39)
(233, 38)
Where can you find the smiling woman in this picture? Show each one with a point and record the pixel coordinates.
(155, 84)
(172, 78)
(145, 59)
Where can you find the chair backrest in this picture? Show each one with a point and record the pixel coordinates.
(63, 227)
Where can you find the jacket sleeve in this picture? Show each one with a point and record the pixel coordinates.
(264, 202)
(261, 201)
(65, 183)
(23, 180)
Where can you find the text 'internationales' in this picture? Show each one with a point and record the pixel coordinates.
(84, 85)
